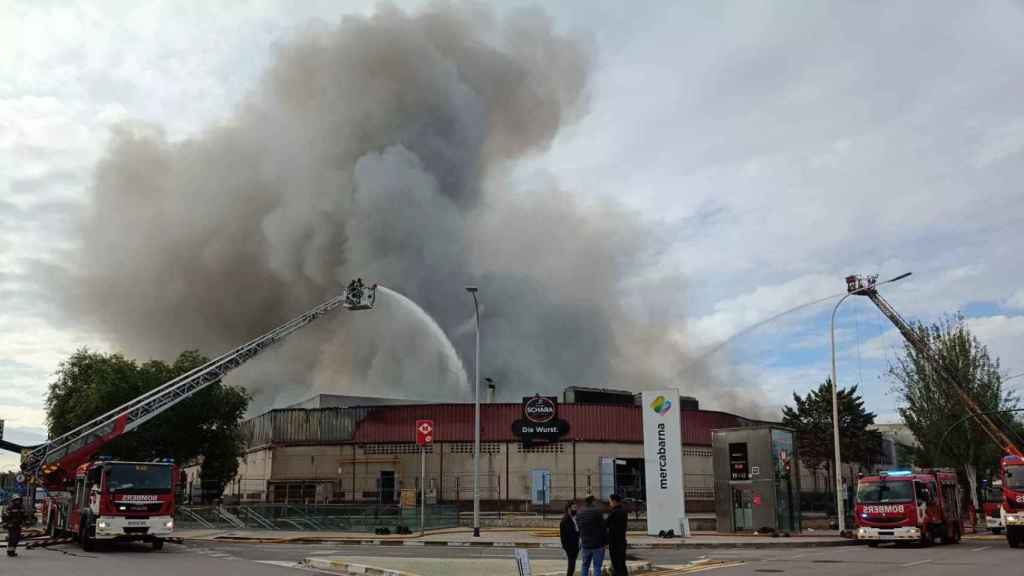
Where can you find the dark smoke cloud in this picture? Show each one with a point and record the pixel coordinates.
(378, 149)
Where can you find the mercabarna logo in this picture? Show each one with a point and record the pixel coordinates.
(661, 405)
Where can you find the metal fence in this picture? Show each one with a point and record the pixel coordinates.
(321, 517)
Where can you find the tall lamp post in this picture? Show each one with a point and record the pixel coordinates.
(473, 290)
(840, 511)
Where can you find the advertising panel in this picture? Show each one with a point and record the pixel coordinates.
(539, 423)
(663, 463)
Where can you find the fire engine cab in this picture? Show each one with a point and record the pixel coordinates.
(110, 500)
(909, 506)
(1012, 510)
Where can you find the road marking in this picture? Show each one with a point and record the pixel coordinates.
(980, 548)
(918, 563)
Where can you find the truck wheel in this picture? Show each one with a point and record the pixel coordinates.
(873, 544)
(956, 535)
(158, 544)
(1013, 538)
(927, 538)
(997, 531)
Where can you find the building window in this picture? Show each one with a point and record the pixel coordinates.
(467, 448)
(553, 448)
(394, 448)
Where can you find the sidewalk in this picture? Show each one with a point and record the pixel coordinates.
(513, 538)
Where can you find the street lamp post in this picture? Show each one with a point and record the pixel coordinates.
(476, 416)
(840, 511)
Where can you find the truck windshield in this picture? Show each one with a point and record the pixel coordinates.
(875, 492)
(993, 494)
(140, 478)
(1015, 478)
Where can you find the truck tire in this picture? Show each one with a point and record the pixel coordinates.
(1013, 538)
(997, 531)
(158, 544)
(927, 536)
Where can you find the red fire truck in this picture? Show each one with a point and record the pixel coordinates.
(112, 500)
(908, 506)
(96, 500)
(1012, 510)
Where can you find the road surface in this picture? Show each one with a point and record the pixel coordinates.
(217, 559)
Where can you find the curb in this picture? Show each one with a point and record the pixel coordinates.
(350, 568)
(679, 545)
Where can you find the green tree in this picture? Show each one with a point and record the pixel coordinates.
(89, 384)
(811, 418)
(932, 407)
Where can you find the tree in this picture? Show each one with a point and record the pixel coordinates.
(932, 408)
(811, 419)
(89, 384)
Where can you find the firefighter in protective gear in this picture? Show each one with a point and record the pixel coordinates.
(14, 516)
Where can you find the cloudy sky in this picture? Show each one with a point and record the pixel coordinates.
(771, 148)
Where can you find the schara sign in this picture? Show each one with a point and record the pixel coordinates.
(539, 423)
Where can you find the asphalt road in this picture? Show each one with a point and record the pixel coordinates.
(216, 559)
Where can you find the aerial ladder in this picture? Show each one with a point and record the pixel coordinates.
(54, 462)
(866, 286)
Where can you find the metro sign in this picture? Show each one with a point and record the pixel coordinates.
(424, 432)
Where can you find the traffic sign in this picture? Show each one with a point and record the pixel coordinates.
(20, 478)
(424, 432)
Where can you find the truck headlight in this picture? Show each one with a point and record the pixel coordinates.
(169, 524)
(103, 524)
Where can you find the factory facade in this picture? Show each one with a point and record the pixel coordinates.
(338, 450)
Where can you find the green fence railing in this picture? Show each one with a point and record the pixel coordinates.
(314, 517)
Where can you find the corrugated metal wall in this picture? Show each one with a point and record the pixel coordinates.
(454, 423)
(297, 426)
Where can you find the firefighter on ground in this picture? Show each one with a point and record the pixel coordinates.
(14, 516)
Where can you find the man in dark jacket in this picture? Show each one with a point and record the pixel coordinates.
(14, 517)
(616, 523)
(570, 535)
(592, 536)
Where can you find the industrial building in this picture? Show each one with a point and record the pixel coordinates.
(335, 449)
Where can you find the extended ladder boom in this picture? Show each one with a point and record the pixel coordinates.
(866, 286)
(68, 450)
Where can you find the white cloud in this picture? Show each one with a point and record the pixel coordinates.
(735, 315)
(1004, 336)
(1017, 300)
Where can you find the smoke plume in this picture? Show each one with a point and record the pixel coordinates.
(379, 148)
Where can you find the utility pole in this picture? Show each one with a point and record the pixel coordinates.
(473, 290)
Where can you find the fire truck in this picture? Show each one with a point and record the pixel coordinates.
(1012, 464)
(1012, 510)
(909, 506)
(95, 499)
(111, 500)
